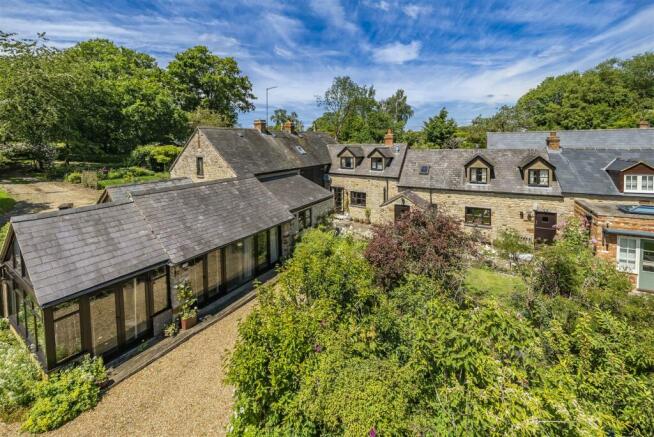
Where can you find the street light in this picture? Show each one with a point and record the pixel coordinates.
(268, 89)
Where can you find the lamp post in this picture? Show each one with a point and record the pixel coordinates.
(268, 89)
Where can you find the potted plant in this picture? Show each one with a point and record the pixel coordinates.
(188, 310)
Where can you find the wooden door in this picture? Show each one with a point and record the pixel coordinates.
(544, 227)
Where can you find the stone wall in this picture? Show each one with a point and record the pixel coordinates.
(318, 211)
(215, 167)
(374, 189)
(507, 210)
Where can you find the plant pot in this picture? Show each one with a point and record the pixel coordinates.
(189, 323)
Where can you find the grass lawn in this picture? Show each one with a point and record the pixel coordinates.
(493, 285)
(6, 202)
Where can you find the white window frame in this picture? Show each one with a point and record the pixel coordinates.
(623, 263)
(644, 183)
(484, 175)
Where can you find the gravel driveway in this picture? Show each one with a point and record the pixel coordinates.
(32, 197)
(182, 393)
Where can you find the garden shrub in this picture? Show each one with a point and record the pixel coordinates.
(429, 243)
(157, 158)
(18, 375)
(74, 177)
(510, 244)
(65, 395)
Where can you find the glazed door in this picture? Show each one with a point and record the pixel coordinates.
(646, 271)
(544, 227)
(338, 199)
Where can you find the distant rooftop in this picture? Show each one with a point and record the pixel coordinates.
(638, 138)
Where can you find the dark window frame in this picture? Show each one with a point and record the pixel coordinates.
(483, 172)
(345, 159)
(534, 171)
(358, 199)
(380, 161)
(199, 166)
(304, 219)
(475, 216)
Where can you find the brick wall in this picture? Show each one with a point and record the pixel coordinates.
(215, 167)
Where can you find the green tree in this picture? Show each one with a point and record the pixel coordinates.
(510, 244)
(341, 101)
(206, 117)
(397, 106)
(437, 130)
(281, 116)
(202, 79)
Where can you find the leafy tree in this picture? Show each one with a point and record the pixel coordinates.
(343, 99)
(281, 116)
(206, 117)
(202, 79)
(437, 130)
(397, 106)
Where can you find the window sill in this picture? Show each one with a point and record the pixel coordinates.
(357, 206)
(478, 183)
(473, 225)
(537, 186)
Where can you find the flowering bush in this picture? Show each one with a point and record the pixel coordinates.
(18, 375)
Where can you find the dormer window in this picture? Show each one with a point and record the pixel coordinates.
(347, 162)
(639, 183)
(478, 175)
(377, 164)
(539, 177)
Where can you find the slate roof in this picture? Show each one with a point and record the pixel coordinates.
(190, 220)
(411, 196)
(357, 151)
(122, 192)
(398, 152)
(578, 139)
(583, 171)
(296, 191)
(67, 252)
(250, 152)
(447, 171)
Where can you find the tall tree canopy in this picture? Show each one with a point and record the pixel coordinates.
(202, 79)
(352, 113)
(281, 116)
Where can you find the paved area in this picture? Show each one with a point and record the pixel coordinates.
(181, 393)
(37, 196)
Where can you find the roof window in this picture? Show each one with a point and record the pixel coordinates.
(424, 169)
(300, 150)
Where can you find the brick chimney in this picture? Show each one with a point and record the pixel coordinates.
(643, 124)
(389, 138)
(288, 127)
(553, 141)
(260, 125)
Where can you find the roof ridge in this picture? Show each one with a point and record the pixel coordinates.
(574, 130)
(148, 182)
(191, 185)
(69, 211)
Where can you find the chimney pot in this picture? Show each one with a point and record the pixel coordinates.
(288, 127)
(643, 124)
(553, 141)
(260, 125)
(389, 139)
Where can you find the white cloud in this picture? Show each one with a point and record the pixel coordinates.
(413, 10)
(334, 13)
(397, 53)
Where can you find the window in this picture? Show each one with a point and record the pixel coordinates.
(239, 262)
(135, 308)
(274, 245)
(159, 291)
(196, 275)
(103, 322)
(424, 169)
(347, 162)
(627, 254)
(67, 331)
(214, 272)
(300, 150)
(539, 178)
(478, 216)
(478, 175)
(199, 166)
(304, 219)
(639, 183)
(262, 250)
(357, 199)
(377, 164)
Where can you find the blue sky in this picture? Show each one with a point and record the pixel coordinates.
(470, 56)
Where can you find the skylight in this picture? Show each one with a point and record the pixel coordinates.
(424, 169)
(300, 150)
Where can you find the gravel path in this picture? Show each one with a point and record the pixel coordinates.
(182, 393)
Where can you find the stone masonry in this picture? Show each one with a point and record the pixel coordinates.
(215, 167)
(373, 187)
